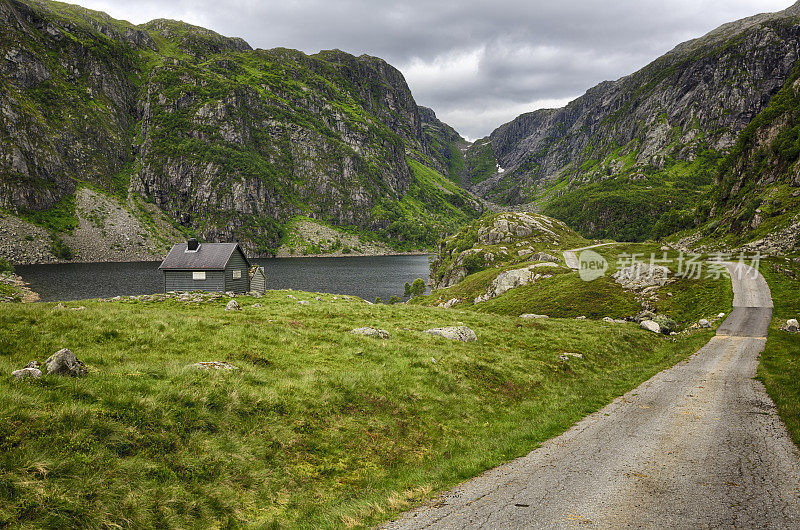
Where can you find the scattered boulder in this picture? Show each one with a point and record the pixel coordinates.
(318, 298)
(33, 364)
(291, 297)
(233, 305)
(644, 315)
(27, 373)
(544, 256)
(256, 305)
(213, 365)
(450, 303)
(461, 333)
(650, 325)
(642, 275)
(703, 323)
(792, 325)
(608, 319)
(64, 362)
(564, 356)
(532, 315)
(304, 302)
(721, 315)
(371, 332)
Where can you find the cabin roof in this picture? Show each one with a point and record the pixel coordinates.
(209, 256)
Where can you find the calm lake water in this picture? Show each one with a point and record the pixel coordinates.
(367, 277)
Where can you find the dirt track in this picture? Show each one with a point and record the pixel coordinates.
(698, 445)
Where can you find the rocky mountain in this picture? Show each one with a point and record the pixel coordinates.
(756, 199)
(633, 158)
(220, 140)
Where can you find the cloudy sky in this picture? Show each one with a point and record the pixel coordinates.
(478, 64)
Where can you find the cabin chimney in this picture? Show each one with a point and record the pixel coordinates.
(192, 244)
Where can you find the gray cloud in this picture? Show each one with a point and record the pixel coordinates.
(477, 64)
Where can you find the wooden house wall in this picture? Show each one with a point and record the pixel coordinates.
(237, 262)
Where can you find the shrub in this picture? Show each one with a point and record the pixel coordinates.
(6, 266)
(60, 249)
(418, 287)
(667, 324)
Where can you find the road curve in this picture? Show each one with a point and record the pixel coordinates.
(571, 258)
(697, 445)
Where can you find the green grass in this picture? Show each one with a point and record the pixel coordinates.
(319, 428)
(780, 361)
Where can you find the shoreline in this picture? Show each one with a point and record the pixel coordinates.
(352, 255)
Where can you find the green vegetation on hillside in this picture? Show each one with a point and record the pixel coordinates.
(318, 428)
(780, 361)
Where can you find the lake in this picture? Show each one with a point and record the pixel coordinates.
(364, 276)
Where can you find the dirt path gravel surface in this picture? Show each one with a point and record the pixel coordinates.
(699, 445)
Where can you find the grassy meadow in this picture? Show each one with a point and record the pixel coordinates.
(318, 428)
(780, 361)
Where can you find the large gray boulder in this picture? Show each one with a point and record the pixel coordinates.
(371, 332)
(462, 333)
(649, 325)
(64, 362)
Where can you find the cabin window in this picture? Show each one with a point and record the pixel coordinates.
(237, 275)
(199, 275)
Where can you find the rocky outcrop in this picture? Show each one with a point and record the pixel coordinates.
(511, 279)
(229, 142)
(499, 239)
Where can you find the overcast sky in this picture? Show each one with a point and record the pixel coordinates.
(478, 64)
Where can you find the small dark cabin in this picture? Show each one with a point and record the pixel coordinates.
(194, 266)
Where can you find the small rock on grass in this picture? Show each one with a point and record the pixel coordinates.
(792, 325)
(532, 315)
(304, 302)
(213, 365)
(649, 325)
(371, 332)
(27, 373)
(703, 323)
(233, 305)
(461, 333)
(64, 362)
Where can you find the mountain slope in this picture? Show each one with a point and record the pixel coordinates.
(228, 142)
(630, 156)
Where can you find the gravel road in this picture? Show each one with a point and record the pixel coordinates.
(697, 446)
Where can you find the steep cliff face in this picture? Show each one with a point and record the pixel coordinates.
(645, 145)
(756, 200)
(229, 142)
